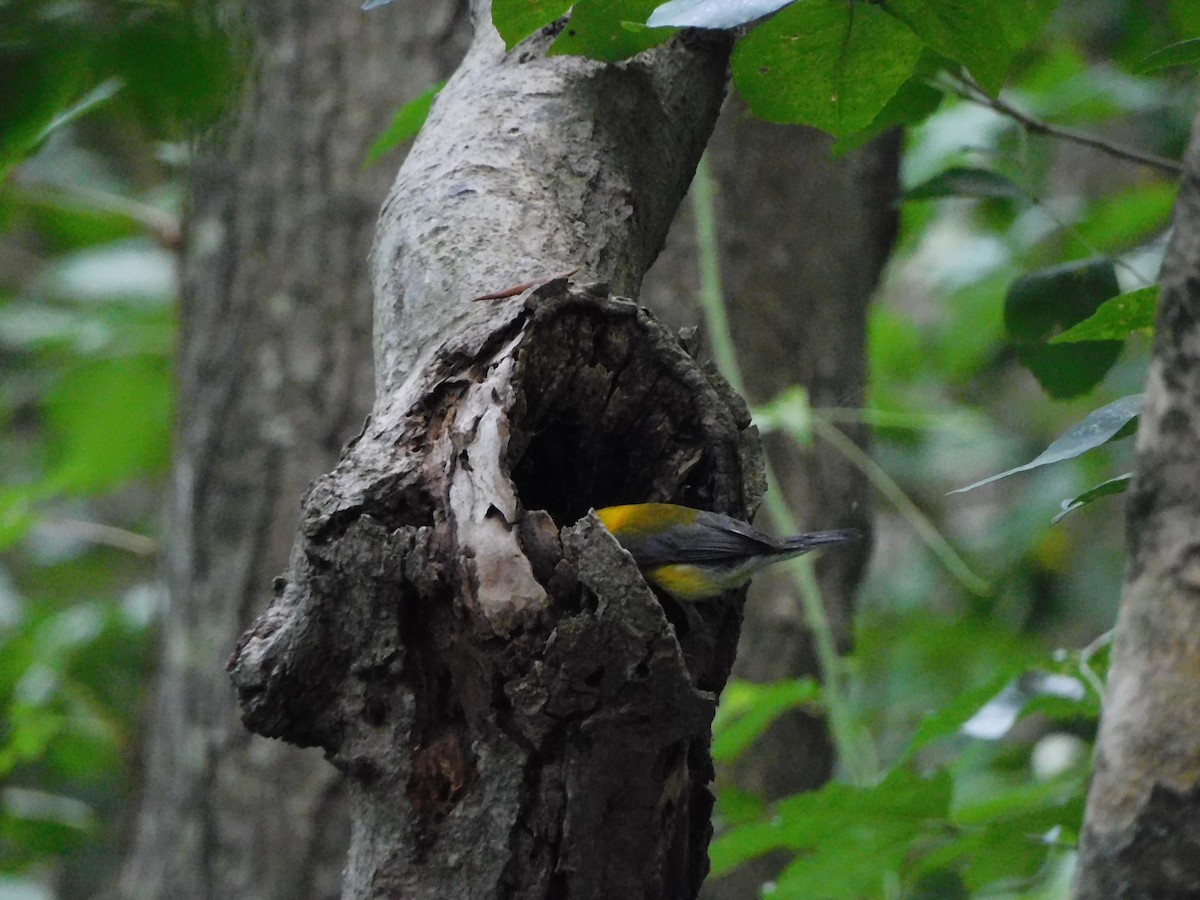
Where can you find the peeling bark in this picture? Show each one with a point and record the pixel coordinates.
(1141, 837)
(519, 717)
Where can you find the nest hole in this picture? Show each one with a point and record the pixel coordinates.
(610, 409)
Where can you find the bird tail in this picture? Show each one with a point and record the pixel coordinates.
(802, 543)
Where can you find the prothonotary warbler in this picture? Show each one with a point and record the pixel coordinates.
(693, 555)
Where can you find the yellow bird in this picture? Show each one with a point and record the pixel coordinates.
(693, 555)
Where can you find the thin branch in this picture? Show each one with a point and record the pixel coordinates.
(894, 494)
(964, 87)
(163, 225)
(1085, 661)
(853, 745)
(108, 535)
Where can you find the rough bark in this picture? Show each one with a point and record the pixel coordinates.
(537, 165)
(1141, 833)
(804, 238)
(274, 377)
(517, 714)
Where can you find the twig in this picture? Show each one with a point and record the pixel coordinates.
(1085, 661)
(853, 746)
(967, 89)
(163, 225)
(892, 492)
(524, 285)
(108, 535)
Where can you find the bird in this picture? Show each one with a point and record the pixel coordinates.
(694, 555)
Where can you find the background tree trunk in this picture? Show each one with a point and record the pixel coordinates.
(1141, 833)
(803, 238)
(274, 376)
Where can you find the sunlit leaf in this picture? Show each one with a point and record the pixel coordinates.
(1100, 427)
(1115, 319)
(1109, 488)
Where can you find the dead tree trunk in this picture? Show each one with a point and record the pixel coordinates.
(517, 714)
(1141, 834)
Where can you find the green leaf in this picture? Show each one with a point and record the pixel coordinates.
(1127, 217)
(826, 63)
(518, 19)
(176, 71)
(1183, 53)
(109, 421)
(984, 35)
(1009, 834)
(1100, 427)
(1113, 486)
(914, 101)
(16, 510)
(1040, 303)
(962, 181)
(405, 124)
(36, 83)
(1115, 319)
(747, 709)
(97, 96)
(949, 720)
(845, 839)
(712, 13)
(602, 29)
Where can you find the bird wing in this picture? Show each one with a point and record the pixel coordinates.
(711, 538)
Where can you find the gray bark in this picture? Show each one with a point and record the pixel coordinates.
(1141, 833)
(274, 376)
(804, 238)
(516, 713)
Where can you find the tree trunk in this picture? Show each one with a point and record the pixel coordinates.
(516, 713)
(1141, 833)
(803, 238)
(274, 376)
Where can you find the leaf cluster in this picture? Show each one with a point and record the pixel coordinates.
(852, 69)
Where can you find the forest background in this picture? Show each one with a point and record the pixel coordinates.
(978, 641)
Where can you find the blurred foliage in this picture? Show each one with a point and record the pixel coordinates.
(96, 100)
(981, 708)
